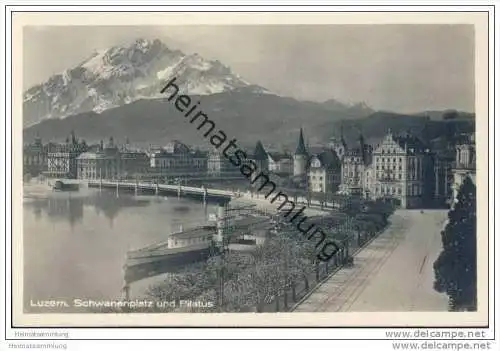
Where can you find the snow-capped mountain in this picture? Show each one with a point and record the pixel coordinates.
(122, 74)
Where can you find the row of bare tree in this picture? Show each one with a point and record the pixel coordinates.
(273, 276)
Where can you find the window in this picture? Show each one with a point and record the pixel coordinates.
(399, 191)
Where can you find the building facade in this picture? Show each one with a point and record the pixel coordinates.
(35, 157)
(280, 163)
(339, 145)
(133, 163)
(219, 166)
(324, 172)
(443, 177)
(177, 159)
(465, 164)
(399, 171)
(354, 163)
(62, 158)
(103, 163)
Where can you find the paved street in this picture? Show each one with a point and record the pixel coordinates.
(393, 273)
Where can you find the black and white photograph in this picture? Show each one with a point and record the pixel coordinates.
(257, 170)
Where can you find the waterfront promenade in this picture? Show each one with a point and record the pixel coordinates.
(392, 273)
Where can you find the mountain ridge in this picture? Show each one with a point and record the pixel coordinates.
(119, 75)
(274, 120)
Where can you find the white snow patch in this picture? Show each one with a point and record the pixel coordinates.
(96, 64)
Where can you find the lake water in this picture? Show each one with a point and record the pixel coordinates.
(75, 242)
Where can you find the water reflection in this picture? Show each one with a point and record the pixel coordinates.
(65, 207)
(75, 244)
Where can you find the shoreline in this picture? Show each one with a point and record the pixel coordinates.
(262, 203)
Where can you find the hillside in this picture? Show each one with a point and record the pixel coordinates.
(248, 117)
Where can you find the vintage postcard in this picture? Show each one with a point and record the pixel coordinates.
(250, 169)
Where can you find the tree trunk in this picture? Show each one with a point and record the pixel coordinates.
(285, 300)
(294, 293)
(306, 281)
(277, 298)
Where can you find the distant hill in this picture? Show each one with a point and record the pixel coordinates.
(439, 115)
(375, 126)
(248, 117)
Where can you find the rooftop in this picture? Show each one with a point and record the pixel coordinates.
(301, 147)
(328, 159)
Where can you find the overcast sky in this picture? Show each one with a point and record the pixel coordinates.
(404, 68)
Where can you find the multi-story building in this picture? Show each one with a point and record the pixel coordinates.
(35, 157)
(318, 169)
(133, 163)
(401, 170)
(443, 176)
(218, 165)
(177, 159)
(280, 163)
(324, 172)
(61, 159)
(354, 163)
(465, 164)
(103, 163)
(339, 145)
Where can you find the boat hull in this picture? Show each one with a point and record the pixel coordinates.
(149, 264)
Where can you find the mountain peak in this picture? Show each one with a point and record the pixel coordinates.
(121, 74)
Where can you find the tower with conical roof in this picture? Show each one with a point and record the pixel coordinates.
(261, 158)
(301, 157)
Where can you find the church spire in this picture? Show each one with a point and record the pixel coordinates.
(342, 140)
(362, 147)
(260, 153)
(301, 147)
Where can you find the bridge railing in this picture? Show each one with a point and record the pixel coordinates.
(162, 186)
